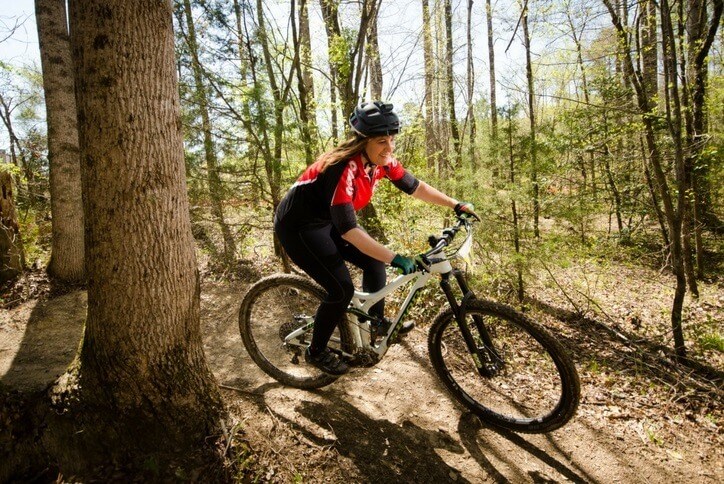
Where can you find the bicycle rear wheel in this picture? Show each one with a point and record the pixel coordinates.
(272, 309)
(531, 385)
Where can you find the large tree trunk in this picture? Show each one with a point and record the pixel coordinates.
(66, 205)
(213, 179)
(141, 390)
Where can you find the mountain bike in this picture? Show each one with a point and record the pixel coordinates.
(493, 359)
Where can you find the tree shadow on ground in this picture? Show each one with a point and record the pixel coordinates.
(622, 351)
(49, 342)
(469, 427)
(382, 451)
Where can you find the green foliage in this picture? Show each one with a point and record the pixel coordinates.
(339, 52)
(712, 341)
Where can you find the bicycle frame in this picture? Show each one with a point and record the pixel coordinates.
(363, 301)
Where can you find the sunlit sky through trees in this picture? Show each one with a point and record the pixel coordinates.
(400, 38)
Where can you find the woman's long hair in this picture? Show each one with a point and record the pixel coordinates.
(343, 151)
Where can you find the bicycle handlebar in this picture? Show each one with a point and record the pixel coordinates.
(448, 234)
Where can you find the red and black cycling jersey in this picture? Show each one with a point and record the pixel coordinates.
(336, 194)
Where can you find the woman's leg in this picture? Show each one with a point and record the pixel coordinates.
(374, 276)
(316, 253)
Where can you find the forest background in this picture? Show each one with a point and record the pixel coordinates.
(589, 135)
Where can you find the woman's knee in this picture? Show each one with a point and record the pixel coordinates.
(346, 291)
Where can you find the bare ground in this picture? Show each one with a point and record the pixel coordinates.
(639, 420)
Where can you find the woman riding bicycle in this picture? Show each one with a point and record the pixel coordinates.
(316, 221)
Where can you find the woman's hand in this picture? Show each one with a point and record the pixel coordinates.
(465, 207)
(405, 264)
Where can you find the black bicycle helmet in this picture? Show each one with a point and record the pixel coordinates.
(374, 119)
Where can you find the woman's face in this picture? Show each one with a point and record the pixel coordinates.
(380, 149)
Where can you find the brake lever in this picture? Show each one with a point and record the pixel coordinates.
(423, 262)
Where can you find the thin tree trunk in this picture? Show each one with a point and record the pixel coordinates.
(471, 102)
(655, 199)
(66, 205)
(375, 63)
(280, 93)
(649, 48)
(672, 217)
(450, 87)
(701, 33)
(675, 128)
(17, 154)
(431, 148)
(611, 180)
(531, 109)
(491, 69)
(212, 164)
(331, 25)
(305, 85)
(514, 210)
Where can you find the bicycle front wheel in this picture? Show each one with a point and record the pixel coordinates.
(274, 308)
(527, 384)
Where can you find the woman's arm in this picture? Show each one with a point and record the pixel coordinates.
(426, 193)
(367, 245)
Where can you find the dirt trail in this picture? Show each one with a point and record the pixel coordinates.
(391, 423)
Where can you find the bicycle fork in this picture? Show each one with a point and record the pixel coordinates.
(487, 360)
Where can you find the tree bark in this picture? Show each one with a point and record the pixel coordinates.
(66, 205)
(141, 390)
(11, 247)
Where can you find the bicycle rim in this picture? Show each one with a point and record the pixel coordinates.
(272, 309)
(533, 386)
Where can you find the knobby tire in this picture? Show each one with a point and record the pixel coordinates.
(270, 304)
(536, 388)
